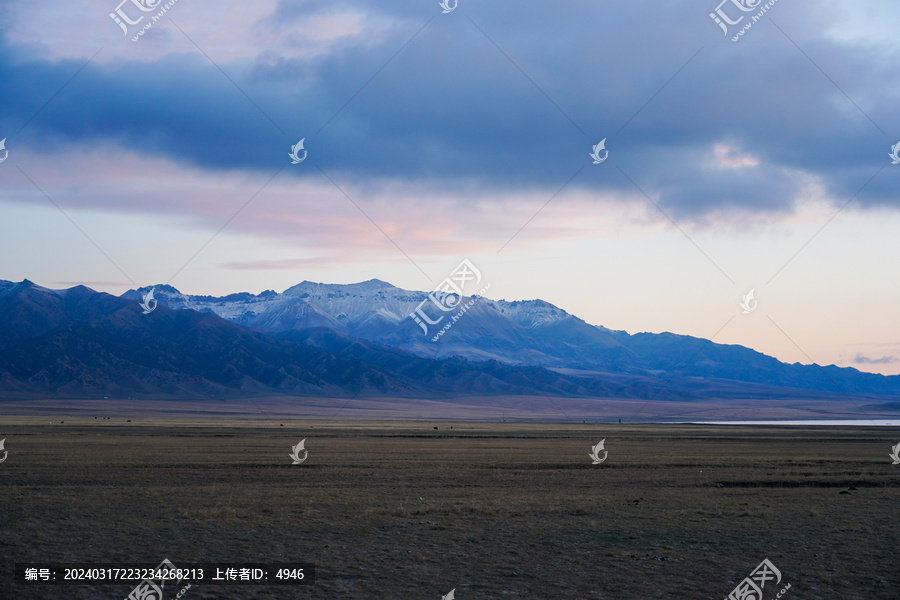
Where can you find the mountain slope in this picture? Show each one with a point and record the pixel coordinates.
(89, 343)
(695, 357)
(518, 333)
(524, 333)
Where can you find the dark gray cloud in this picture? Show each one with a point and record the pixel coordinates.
(452, 107)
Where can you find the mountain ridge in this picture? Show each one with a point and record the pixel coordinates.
(521, 332)
(287, 342)
(82, 343)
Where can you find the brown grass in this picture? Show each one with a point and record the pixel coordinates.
(400, 510)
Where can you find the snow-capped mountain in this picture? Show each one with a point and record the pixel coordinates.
(342, 339)
(530, 332)
(522, 333)
(78, 343)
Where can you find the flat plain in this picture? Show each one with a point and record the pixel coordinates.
(401, 510)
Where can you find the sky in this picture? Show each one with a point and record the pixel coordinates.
(729, 163)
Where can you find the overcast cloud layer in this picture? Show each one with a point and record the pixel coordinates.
(508, 95)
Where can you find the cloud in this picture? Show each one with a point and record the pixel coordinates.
(864, 360)
(294, 264)
(741, 128)
(728, 157)
(311, 216)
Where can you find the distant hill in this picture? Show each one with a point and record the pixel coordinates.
(79, 342)
(520, 333)
(355, 340)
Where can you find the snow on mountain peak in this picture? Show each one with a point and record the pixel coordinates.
(531, 313)
(314, 288)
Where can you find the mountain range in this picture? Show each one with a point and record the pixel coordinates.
(530, 332)
(318, 339)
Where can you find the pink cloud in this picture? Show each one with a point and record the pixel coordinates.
(728, 157)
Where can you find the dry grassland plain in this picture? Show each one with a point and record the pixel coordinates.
(401, 510)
